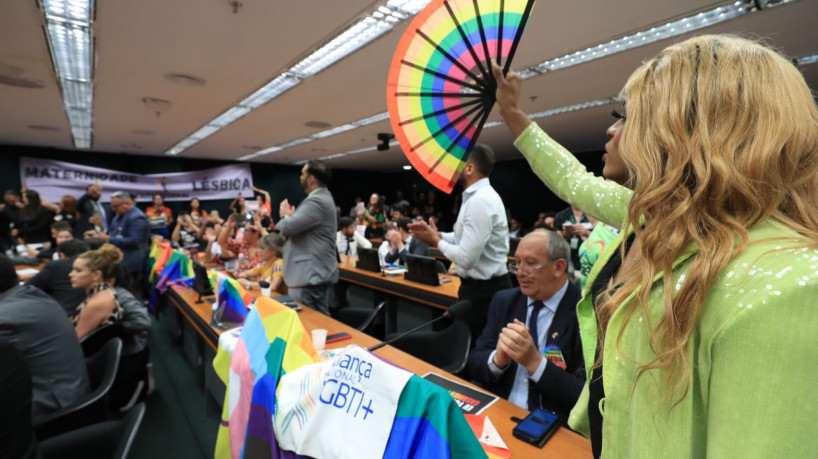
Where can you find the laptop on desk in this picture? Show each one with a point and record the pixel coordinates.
(422, 269)
(368, 260)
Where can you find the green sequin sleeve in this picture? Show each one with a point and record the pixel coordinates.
(570, 180)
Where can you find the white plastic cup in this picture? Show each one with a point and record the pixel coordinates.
(319, 339)
(266, 288)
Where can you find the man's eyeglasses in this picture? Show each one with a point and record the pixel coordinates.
(514, 267)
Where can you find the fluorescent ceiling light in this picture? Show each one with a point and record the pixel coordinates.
(807, 60)
(407, 167)
(320, 135)
(641, 38)
(381, 20)
(543, 114)
(644, 37)
(70, 35)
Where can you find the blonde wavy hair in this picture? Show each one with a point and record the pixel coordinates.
(103, 259)
(721, 134)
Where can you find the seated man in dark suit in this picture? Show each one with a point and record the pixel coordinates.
(53, 279)
(37, 326)
(507, 358)
(401, 243)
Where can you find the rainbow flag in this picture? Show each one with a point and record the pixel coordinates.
(429, 423)
(177, 267)
(232, 298)
(157, 257)
(250, 361)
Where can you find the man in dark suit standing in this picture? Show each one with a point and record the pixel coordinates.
(94, 215)
(129, 230)
(402, 243)
(526, 322)
(36, 325)
(53, 278)
(310, 253)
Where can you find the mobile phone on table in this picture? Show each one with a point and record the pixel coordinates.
(337, 337)
(537, 427)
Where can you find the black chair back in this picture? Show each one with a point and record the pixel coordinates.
(110, 439)
(370, 321)
(92, 408)
(129, 428)
(93, 342)
(447, 349)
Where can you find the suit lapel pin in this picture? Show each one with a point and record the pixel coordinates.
(555, 335)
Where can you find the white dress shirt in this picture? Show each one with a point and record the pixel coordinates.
(341, 242)
(519, 390)
(479, 244)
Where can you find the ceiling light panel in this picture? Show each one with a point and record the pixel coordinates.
(70, 34)
(644, 37)
(671, 29)
(383, 19)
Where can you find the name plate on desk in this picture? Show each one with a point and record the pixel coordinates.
(469, 400)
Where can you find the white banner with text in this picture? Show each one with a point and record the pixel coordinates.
(53, 179)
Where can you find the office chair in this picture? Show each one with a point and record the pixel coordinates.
(427, 346)
(93, 342)
(92, 408)
(369, 321)
(110, 439)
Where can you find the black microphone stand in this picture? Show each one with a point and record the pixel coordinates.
(380, 345)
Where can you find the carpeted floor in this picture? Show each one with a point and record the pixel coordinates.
(176, 424)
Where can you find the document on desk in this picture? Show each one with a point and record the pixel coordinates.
(470, 401)
(27, 272)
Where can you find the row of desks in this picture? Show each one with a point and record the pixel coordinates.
(564, 443)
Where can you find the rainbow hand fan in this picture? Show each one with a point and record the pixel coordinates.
(441, 90)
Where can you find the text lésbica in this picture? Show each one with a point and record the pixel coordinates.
(221, 185)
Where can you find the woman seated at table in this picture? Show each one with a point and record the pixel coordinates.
(271, 268)
(92, 271)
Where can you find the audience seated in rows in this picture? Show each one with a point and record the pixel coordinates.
(402, 243)
(36, 325)
(33, 220)
(54, 279)
(242, 245)
(524, 321)
(374, 217)
(186, 232)
(93, 271)
(160, 217)
(60, 232)
(270, 267)
(347, 240)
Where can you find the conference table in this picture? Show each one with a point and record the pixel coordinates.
(196, 316)
(440, 296)
(420, 303)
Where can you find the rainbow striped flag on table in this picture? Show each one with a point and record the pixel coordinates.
(250, 361)
(172, 267)
(232, 298)
(157, 256)
(429, 423)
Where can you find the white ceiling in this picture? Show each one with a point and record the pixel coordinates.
(137, 43)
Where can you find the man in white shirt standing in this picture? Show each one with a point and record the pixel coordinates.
(479, 244)
(348, 240)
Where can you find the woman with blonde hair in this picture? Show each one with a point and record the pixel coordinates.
(93, 271)
(699, 321)
(270, 267)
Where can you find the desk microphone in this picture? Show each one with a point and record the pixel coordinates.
(456, 311)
